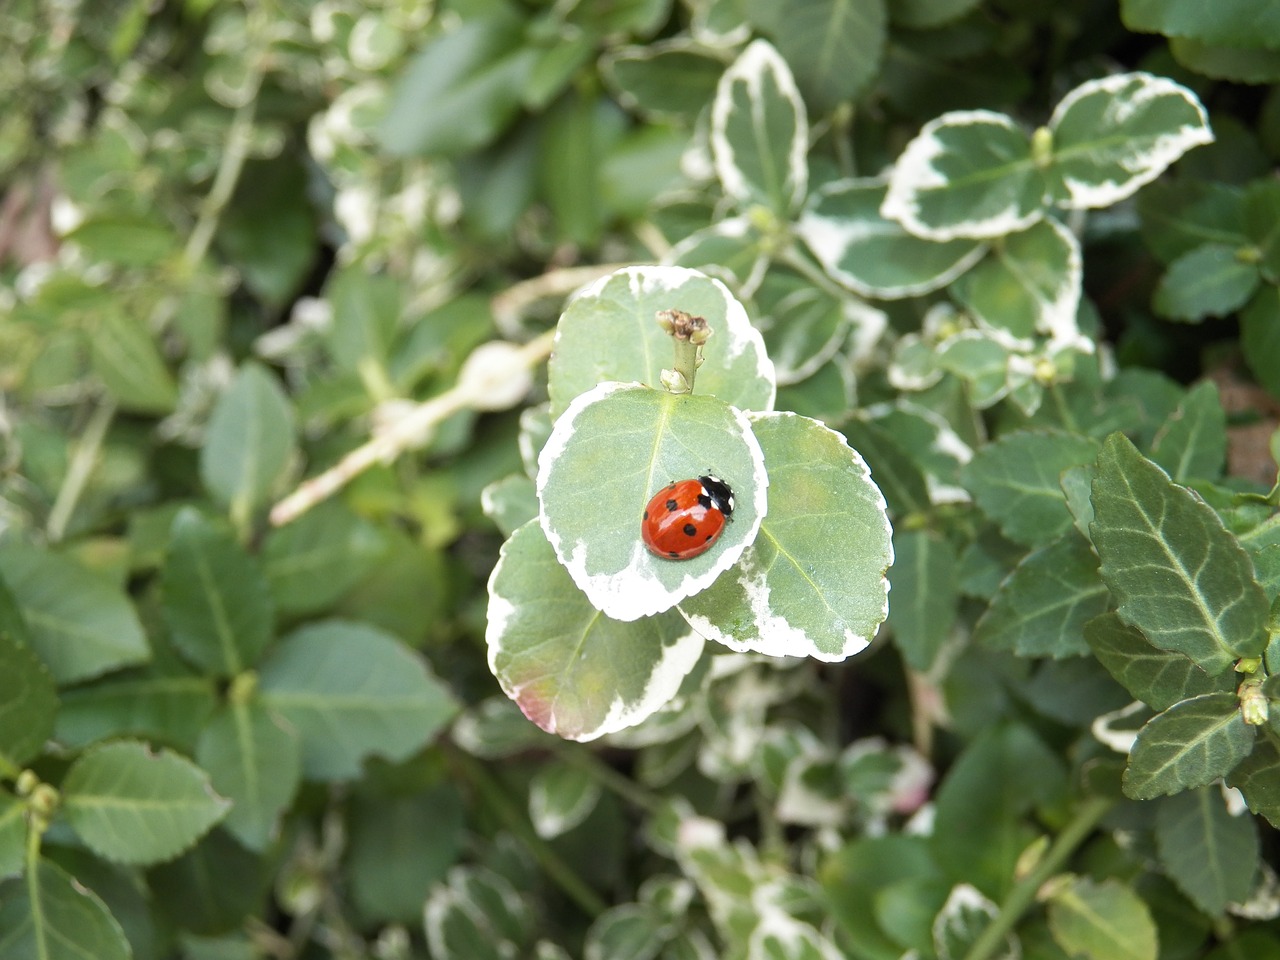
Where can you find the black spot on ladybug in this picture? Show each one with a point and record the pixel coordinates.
(646, 515)
(671, 506)
(673, 555)
(710, 535)
(690, 530)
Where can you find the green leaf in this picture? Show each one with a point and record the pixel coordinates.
(872, 255)
(249, 444)
(1210, 854)
(968, 173)
(254, 762)
(610, 452)
(1178, 216)
(476, 915)
(1258, 778)
(400, 846)
(571, 669)
(1239, 23)
(510, 502)
(1189, 745)
(461, 90)
(561, 796)
(732, 250)
(1210, 281)
(898, 476)
(1261, 213)
(28, 704)
(629, 931)
(760, 132)
(350, 691)
(670, 77)
(1260, 338)
(814, 581)
(216, 601)
(80, 624)
(1156, 677)
(155, 704)
(124, 238)
(1017, 482)
(52, 917)
(609, 332)
(13, 835)
(315, 560)
(1192, 442)
(961, 921)
(366, 314)
(1113, 134)
(133, 805)
(212, 888)
(1176, 573)
(1102, 920)
(131, 367)
(921, 14)
(925, 588)
(1042, 608)
(1029, 283)
(834, 45)
(1227, 62)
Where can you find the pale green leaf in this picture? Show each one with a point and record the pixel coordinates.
(216, 600)
(53, 917)
(667, 78)
(249, 444)
(254, 762)
(13, 834)
(961, 921)
(510, 502)
(1192, 443)
(1243, 23)
(1209, 853)
(1102, 920)
(561, 796)
(1029, 283)
(760, 132)
(125, 356)
(151, 703)
(1260, 338)
(134, 805)
(814, 581)
(1258, 778)
(315, 560)
(28, 704)
(807, 327)
(872, 255)
(1156, 677)
(1210, 281)
(1016, 481)
(1176, 573)
(834, 46)
(609, 332)
(968, 173)
(1113, 134)
(732, 250)
(980, 361)
(350, 691)
(366, 313)
(571, 669)
(1189, 745)
(476, 915)
(1041, 609)
(629, 931)
(611, 451)
(925, 587)
(80, 624)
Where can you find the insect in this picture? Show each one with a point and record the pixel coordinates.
(686, 517)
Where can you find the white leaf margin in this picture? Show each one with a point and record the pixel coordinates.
(750, 67)
(634, 591)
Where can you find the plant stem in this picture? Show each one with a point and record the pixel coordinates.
(493, 796)
(610, 778)
(1024, 891)
(83, 459)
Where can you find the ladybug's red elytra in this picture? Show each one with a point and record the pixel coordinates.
(686, 517)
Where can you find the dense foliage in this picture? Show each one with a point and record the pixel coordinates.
(337, 365)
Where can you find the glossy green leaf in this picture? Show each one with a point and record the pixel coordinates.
(1042, 608)
(834, 46)
(125, 356)
(13, 835)
(1156, 677)
(1176, 574)
(629, 931)
(612, 450)
(671, 77)
(921, 14)
(52, 917)
(80, 624)
(961, 921)
(510, 502)
(1179, 216)
(28, 704)
(1260, 338)
(571, 669)
(134, 805)
(1102, 920)
(216, 601)
(1258, 778)
(366, 313)
(165, 705)
(609, 332)
(1189, 745)
(1192, 442)
(1210, 281)
(249, 444)
(1210, 854)
(350, 691)
(874, 256)
(760, 132)
(1240, 22)
(313, 561)
(212, 888)
(925, 588)
(1017, 482)
(1029, 283)
(476, 915)
(461, 90)
(731, 250)
(1113, 134)
(253, 761)
(1261, 213)
(899, 477)
(561, 796)
(123, 238)
(967, 174)
(814, 581)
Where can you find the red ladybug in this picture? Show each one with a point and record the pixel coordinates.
(686, 517)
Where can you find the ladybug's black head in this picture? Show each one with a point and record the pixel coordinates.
(719, 493)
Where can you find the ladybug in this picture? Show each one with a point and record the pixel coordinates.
(686, 517)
